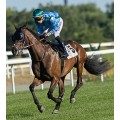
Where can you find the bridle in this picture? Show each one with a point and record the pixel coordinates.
(23, 43)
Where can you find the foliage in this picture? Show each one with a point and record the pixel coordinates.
(109, 29)
(84, 23)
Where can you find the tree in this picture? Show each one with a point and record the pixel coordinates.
(83, 23)
(110, 10)
(109, 29)
(65, 2)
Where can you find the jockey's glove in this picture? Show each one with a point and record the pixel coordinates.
(48, 34)
(42, 36)
(45, 35)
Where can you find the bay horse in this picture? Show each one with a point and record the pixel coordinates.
(46, 64)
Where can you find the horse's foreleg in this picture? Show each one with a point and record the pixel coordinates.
(54, 82)
(35, 83)
(61, 93)
(78, 84)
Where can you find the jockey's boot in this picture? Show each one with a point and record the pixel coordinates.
(61, 43)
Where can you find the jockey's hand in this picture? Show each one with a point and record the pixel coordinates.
(42, 36)
(45, 35)
(48, 34)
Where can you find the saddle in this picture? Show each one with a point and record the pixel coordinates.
(56, 47)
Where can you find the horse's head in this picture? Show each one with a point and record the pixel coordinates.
(19, 41)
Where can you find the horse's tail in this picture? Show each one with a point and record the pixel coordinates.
(94, 66)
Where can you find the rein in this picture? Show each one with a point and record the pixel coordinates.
(30, 44)
(17, 48)
(33, 43)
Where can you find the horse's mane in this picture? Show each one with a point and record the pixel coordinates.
(35, 34)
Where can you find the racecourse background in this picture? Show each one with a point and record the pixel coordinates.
(16, 67)
(116, 60)
(27, 4)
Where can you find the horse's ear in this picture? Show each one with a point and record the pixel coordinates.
(26, 25)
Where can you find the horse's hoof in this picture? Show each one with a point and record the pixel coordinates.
(72, 100)
(55, 112)
(42, 109)
(62, 99)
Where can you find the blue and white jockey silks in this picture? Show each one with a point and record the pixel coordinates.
(52, 24)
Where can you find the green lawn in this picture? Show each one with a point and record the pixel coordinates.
(94, 101)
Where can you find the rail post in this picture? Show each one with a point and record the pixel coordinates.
(7, 67)
(101, 76)
(13, 81)
(100, 57)
(42, 86)
(71, 78)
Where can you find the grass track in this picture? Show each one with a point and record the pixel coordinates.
(94, 101)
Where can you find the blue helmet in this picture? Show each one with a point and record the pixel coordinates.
(38, 13)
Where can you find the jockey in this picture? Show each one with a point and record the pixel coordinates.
(49, 23)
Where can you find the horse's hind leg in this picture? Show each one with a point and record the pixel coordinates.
(79, 82)
(61, 93)
(35, 83)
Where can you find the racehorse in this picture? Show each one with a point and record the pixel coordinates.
(46, 64)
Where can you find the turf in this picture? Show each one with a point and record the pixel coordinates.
(94, 101)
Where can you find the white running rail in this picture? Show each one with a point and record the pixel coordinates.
(17, 62)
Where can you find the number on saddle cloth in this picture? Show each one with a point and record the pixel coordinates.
(71, 51)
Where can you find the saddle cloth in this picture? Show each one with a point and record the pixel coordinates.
(71, 51)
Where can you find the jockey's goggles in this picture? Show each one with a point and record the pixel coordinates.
(39, 18)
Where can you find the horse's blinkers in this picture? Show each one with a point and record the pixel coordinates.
(17, 48)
